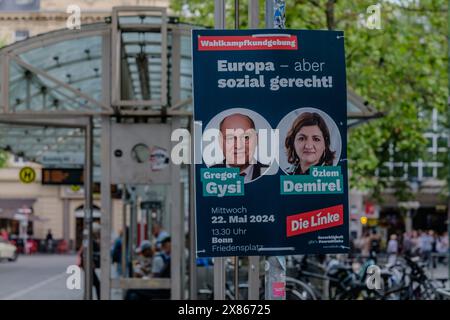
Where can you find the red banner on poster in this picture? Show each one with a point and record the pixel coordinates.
(315, 220)
(261, 42)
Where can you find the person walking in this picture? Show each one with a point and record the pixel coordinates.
(4, 234)
(392, 249)
(426, 246)
(364, 244)
(159, 234)
(95, 257)
(407, 244)
(116, 253)
(49, 241)
(442, 247)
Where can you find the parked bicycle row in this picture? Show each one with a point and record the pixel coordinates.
(348, 277)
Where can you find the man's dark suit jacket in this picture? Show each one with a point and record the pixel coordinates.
(256, 168)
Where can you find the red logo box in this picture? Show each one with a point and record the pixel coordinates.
(314, 220)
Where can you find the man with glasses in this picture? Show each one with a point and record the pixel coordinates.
(238, 141)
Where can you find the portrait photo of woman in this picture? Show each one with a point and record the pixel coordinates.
(308, 143)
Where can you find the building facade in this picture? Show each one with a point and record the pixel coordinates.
(53, 207)
(20, 19)
(425, 176)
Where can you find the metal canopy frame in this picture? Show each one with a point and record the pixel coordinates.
(119, 53)
(360, 111)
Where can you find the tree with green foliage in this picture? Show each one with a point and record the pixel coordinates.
(3, 158)
(400, 69)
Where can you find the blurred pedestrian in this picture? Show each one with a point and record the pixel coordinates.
(4, 234)
(407, 244)
(49, 241)
(364, 244)
(161, 261)
(442, 246)
(415, 246)
(375, 243)
(159, 234)
(116, 252)
(392, 249)
(426, 246)
(433, 236)
(95, 257)
(143, 265)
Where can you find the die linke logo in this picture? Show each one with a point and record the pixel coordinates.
(315, 220)
(252, 42)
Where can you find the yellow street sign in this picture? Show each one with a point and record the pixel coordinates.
(27, 175)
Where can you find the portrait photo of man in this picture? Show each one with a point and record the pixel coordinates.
(238, 141)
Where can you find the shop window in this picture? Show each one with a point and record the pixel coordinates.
(384, 171)
(413, 172)
(442, 142)
(428, 172)
(399, 172)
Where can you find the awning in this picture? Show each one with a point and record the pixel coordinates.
(10, 207)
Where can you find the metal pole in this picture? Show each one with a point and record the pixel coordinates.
(107, 211)
(132, 229)
(253, 278)
(125, 238)
(66, 222)
(275, 271)
(236, 14)
(253, 261)
(253, 14)
(87, 233)
(176, 229)
(219, 278)
(5, 65)
(219, 263)
(142, 226)
(192, 231)
(236, 258)
(236, 278)
(183, 244)
(148, 221)
(28, 79)
(24, 231)
(219, 14)
(269, 14)
(106, 198)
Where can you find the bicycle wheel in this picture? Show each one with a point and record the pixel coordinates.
(298, 290)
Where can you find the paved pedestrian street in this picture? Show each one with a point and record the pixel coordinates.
(37, 277)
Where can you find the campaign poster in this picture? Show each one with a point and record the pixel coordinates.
(271, 144)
